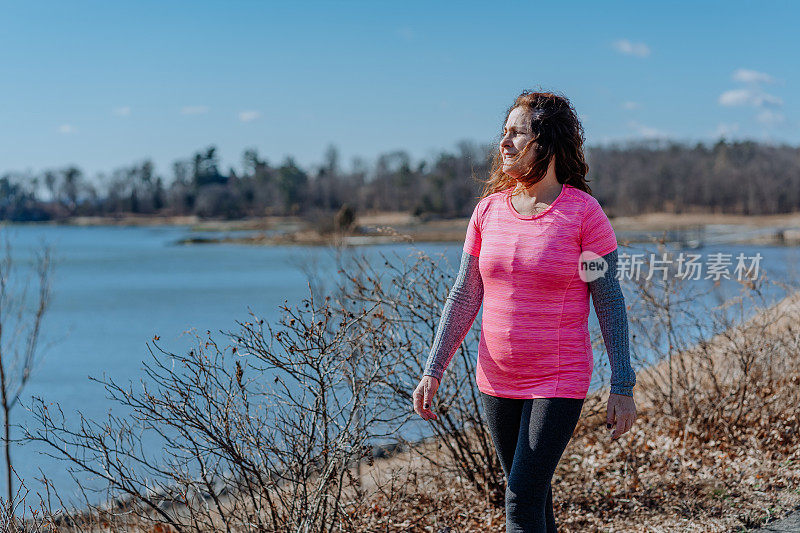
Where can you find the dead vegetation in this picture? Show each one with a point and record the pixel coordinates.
(299, 427)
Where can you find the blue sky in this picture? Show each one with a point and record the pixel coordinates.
(103, 84)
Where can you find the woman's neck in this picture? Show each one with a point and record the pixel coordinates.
(545, 190)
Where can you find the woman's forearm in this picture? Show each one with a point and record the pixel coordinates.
(609, 305)
(460, 309)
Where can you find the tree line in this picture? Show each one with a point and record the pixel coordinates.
(743, 177)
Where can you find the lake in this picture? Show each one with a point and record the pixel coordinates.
(115, 288)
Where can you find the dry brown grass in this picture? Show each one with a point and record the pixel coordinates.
(663, 475)
(714, 448)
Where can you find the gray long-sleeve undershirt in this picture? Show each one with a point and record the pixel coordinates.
(466, 296)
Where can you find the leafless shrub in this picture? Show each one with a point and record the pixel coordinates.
(410, 294)
(714, 447)
(271, 432)
(713, 368)
(35, 513)
(256, 435)
(17, 517)
(19, 336)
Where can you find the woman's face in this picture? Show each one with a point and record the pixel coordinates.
(516, 135)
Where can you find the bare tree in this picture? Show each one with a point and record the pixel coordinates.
(20, 326)
(270, 431)
(262, 432)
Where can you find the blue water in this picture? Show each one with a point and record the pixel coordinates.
(115, 288)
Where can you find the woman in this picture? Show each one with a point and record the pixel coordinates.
(537, 245)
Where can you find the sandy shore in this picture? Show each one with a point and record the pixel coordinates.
(693, 229)
(660, 221)
(387, 227)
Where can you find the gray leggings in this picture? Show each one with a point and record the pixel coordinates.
(529, 437)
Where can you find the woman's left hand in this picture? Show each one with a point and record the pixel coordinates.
(621, 412)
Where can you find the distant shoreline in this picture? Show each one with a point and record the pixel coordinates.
(389, 227)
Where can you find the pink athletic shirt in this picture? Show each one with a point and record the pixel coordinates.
(535, 339)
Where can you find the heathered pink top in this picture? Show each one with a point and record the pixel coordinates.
(535, 339)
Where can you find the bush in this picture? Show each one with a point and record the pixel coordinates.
(272, 428)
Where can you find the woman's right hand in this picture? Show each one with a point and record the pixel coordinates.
(423, 395)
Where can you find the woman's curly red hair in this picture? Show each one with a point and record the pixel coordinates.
(558, 133)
